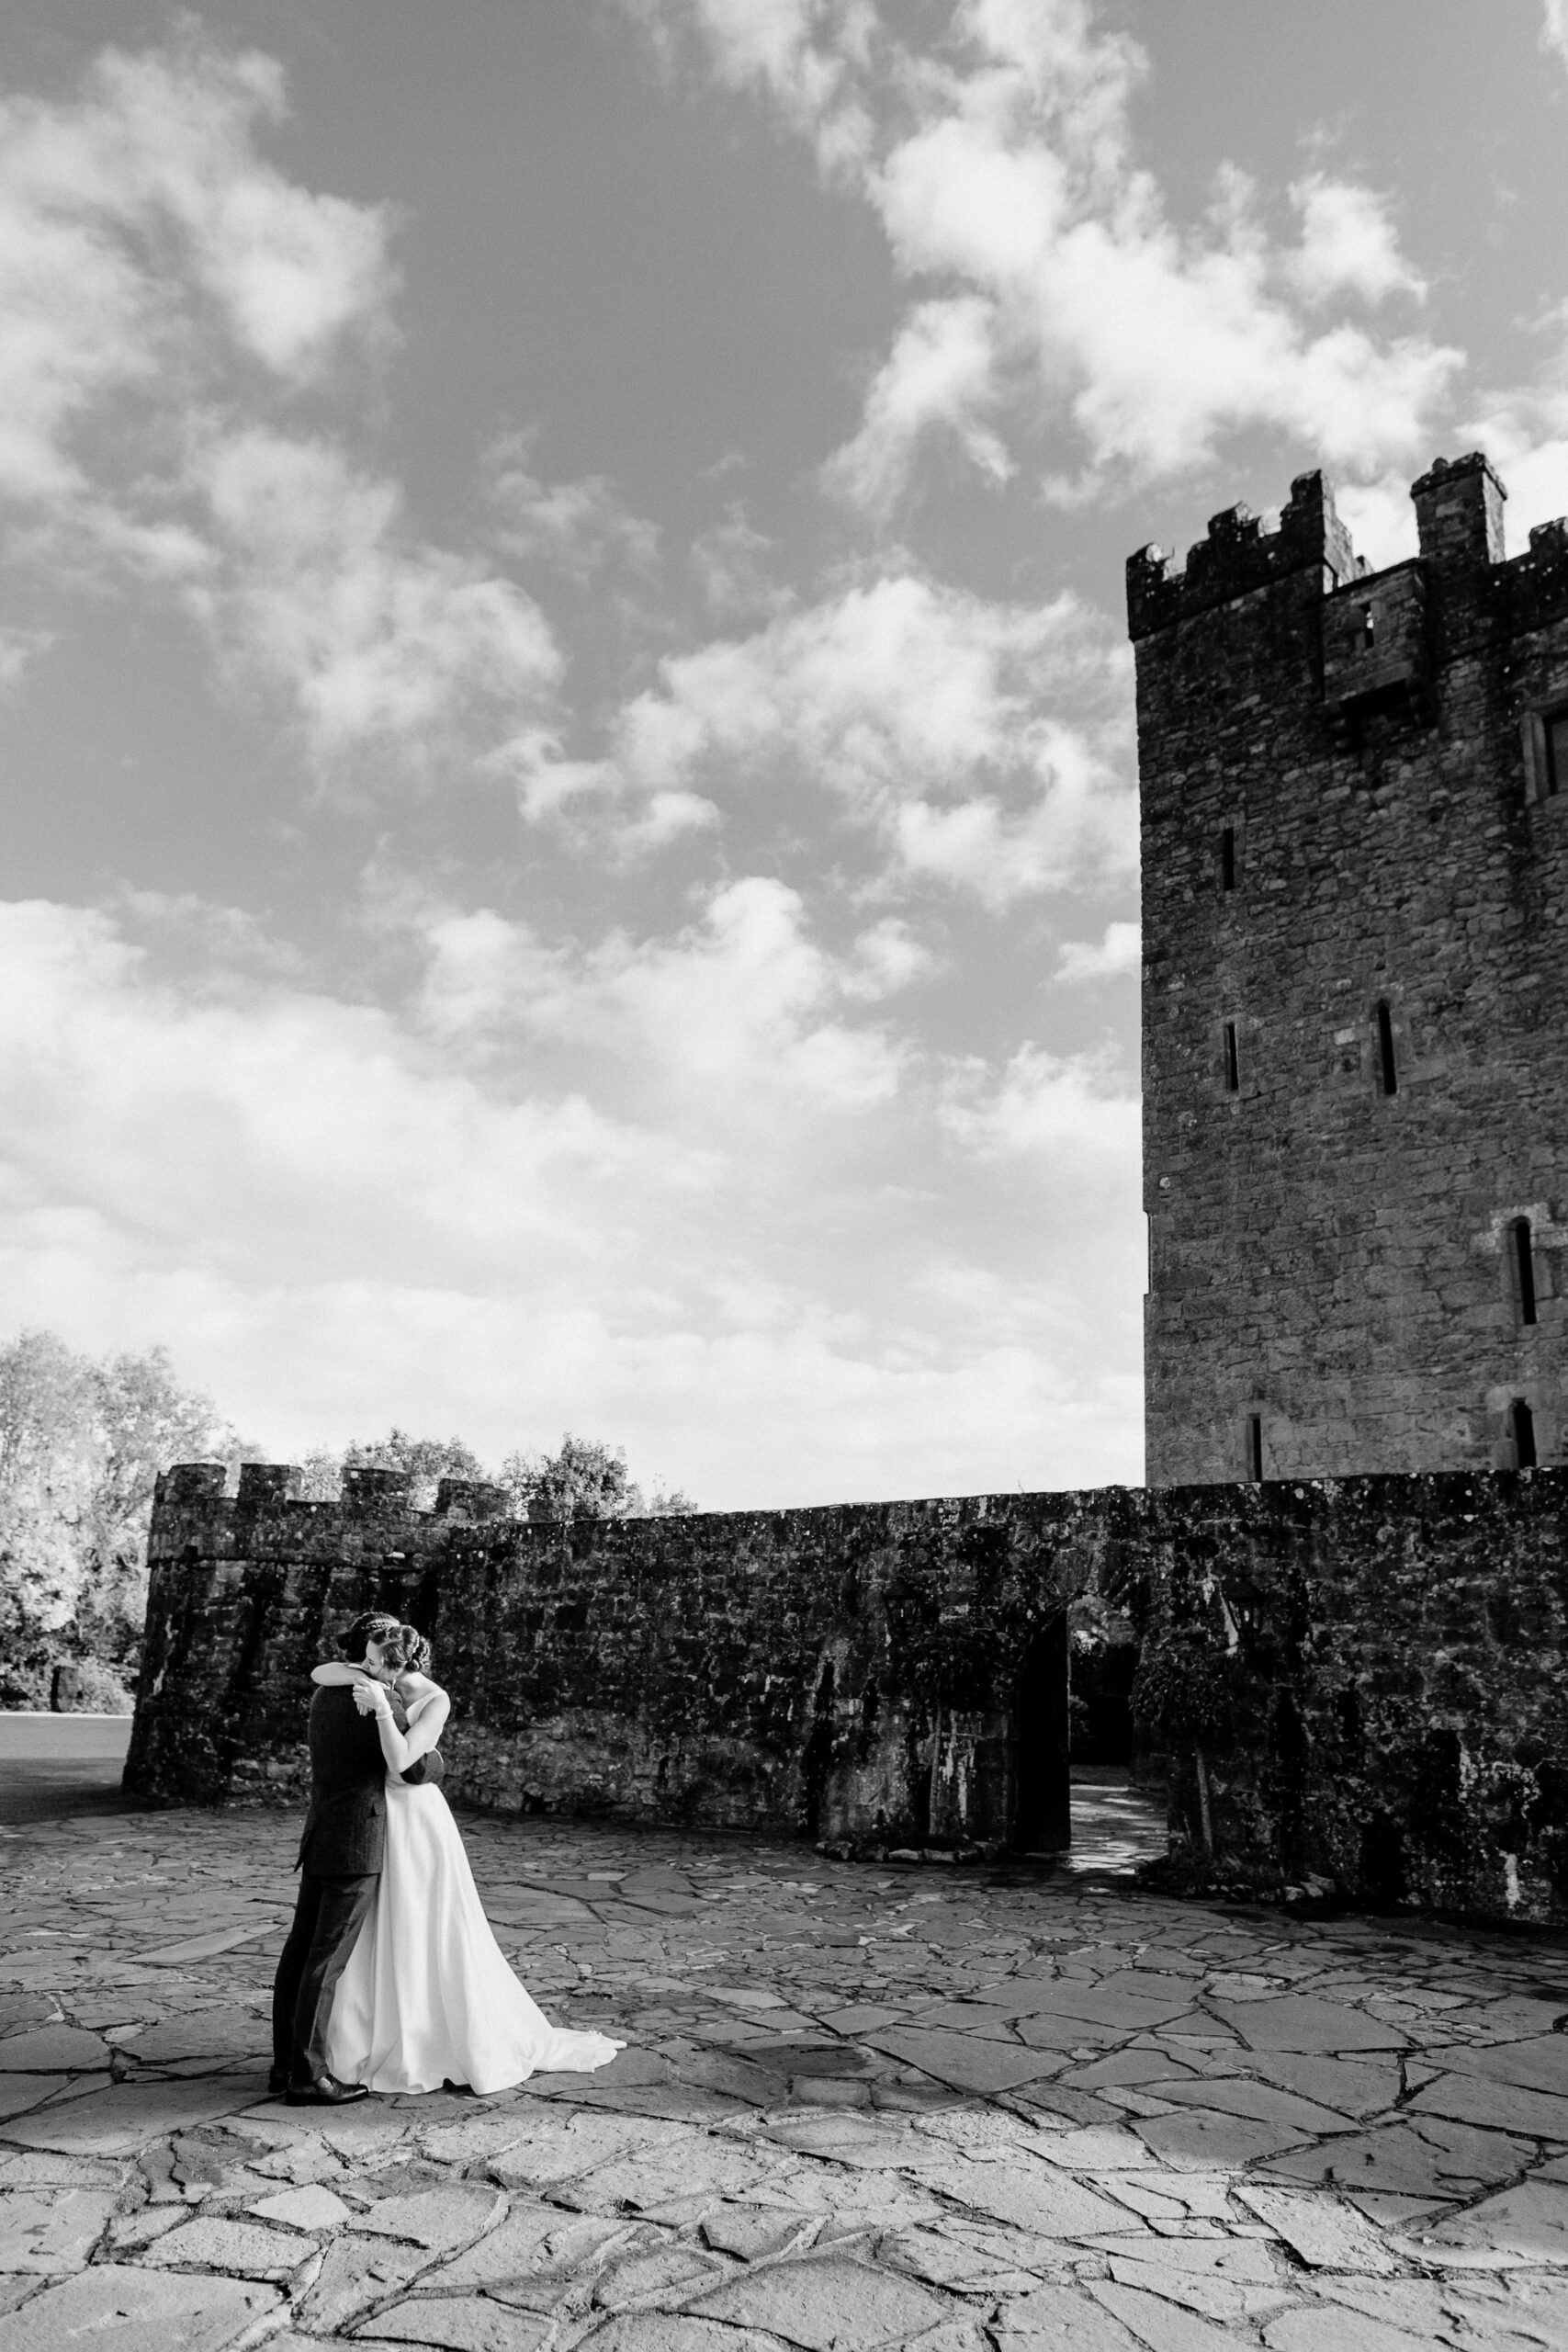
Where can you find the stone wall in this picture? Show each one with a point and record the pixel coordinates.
(1355, 917)
(1389, 1653)
(849, 1672)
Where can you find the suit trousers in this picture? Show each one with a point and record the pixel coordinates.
(328, 1917)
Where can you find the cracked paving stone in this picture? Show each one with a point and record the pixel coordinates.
(1206, 2139)
(120, 2119)
(670, 2273)
(752, 2232)
(137, 2311)
(1508, 2107)
(1430, 2158)
(1304, 2021)
(53, 2049)
(535, 2255)
(964, 2062)
(1163, 2326)
(51, 2230)
(1034, 2209)
(439, 2218)
(357, 2274)
(310, 2208)
(1260, 2102)
(826, 2303)
(1528, 2224)
(463, 2322)
(20, 2093)
(1323, 2234)
(676, 2331)
(239, 2246)
(1060, 2319)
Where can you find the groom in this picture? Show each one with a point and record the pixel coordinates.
(339, 1866)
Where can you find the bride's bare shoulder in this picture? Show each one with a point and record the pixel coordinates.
(419, 1686)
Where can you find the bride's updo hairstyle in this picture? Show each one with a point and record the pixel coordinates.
(406, 1650)
(373, 1626)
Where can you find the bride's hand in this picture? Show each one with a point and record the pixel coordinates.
(369, 1697)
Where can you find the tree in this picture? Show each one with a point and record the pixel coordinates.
(584, 1480)
(81, 1442)
(427, 1460)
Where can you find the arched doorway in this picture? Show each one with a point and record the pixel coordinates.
(1042, 1813)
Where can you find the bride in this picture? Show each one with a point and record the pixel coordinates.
(428, 1996)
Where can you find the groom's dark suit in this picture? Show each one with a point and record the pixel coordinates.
(340, 1862)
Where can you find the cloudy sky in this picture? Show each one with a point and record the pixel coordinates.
(570, 833)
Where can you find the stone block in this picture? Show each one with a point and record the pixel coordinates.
(139, 2311)
(240, 2247)
(51, 2230)
(826, 2303)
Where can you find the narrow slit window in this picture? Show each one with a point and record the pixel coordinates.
(1524, 1266)
(1228, 855)
(1255, 1448)
(1556, 750)
(1232, 1067)
(1522, 1430)
(1385, 1049)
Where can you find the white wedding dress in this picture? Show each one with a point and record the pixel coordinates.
(428, 1995)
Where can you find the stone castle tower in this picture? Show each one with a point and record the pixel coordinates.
(1355, 992)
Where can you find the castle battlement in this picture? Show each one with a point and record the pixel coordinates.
(1237, 556)
(1354, 803)
(274, 1486)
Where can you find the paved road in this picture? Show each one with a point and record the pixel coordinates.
(54, 1766)
(967, 2110)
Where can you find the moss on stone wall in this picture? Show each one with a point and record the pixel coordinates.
(1391, 1651)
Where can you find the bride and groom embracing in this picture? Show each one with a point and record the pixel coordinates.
(391, 1979)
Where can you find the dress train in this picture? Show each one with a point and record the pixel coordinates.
(428, 1995)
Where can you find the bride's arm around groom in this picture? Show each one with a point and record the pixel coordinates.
(427, 1706)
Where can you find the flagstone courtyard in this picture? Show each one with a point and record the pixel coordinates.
(861, 2106)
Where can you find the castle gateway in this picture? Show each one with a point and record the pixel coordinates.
(1355, 992)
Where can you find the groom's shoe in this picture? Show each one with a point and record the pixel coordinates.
(323, 2090)
(278, 2082)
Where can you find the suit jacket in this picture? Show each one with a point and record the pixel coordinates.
(346, 1828)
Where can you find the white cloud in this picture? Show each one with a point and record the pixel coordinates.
(738, 1011)
(168, 294)
(731, 562)
(1554, 29)
(1111, 958)
(577, 526)
(19, 649)
(678, 1218)
(1052, 280)
(935, 717)
(372, 635)
(1044, 1106)
(1349, 243)
(141, 231)
(940, 372)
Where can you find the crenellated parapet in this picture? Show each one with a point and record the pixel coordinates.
(1238, 556)
(365, 1493)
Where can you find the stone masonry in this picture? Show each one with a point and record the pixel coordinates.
(1355, 906)
(1384, 1656)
